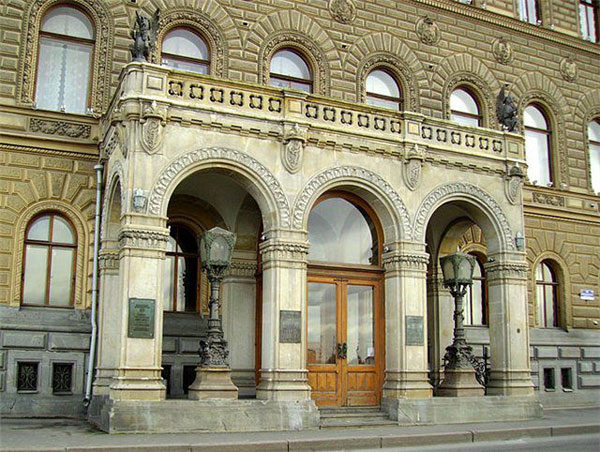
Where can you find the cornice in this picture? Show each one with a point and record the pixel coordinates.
(35, 150)
(512, 24)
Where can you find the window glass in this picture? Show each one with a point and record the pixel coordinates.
(537, 146)
(181, 271)
(183, 49)
(546, 295)
(289, 70)
(340, 231)
(64, 61)
(528, 11)
(594, 144)
(383, 90)
(464, 108)
(475, 299)
(588, 15)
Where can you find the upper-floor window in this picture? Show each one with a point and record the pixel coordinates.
(290, 70)
(383, 90)
(594, 143)
(49, 261)
(181, 286)
(546, 285)
(184, 49)
(588, 19)
(464, 108)
(65, 59)
(475, 312)
(529, 11)
(537, 146)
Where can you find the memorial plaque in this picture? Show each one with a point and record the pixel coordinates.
(414, 330)
(141, 318)
(290, 327)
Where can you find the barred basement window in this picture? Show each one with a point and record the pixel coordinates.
(549, 384)
(566, 378)
(27, 377)
(189, 375)
(62, 378)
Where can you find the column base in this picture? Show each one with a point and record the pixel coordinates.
(283, 385)
(407, 385)
(212, 383)
(509, 383)
(138, 384)
(460, 383)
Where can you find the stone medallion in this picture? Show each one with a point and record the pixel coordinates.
(428, 31)
(344, 11)
(503, 51)
(568, 69)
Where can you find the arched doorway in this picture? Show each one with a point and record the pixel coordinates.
(345, 319)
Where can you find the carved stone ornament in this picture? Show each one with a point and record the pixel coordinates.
(153, 127)
(428, 31)
(344, 11)
(503, 51)
(506, 110)
(144, 36)
(121, 133)
(413, 165)
(293, 149)
(548, 199)
(568, 69)
(140, 199)
(60, 128)
(109, 144)
(513, 184)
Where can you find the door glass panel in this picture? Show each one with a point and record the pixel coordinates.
(36, 270)
(361, 337)
(322, 335)
(61, 276)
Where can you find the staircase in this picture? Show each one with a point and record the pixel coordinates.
(354, 417)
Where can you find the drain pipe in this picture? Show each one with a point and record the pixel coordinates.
(94, 337)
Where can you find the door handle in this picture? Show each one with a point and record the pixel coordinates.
(340, 352)
(344, 350)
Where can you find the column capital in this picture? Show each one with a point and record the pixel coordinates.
(279, 249)
(506, 270)
(154, 239)
(405, 260)
(108, 259)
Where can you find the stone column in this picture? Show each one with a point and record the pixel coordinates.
(509, 333)
(142, 251)
(283, 369)
(406, 322)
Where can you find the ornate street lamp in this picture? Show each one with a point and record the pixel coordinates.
(459, 373)
(213, 376)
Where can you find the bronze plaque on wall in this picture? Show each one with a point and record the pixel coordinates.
(290, 327)
(141, 318)
(414, 330)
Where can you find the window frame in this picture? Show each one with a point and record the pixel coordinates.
(72, 39)
(305, 59)
(476, 99)
(591, 143)
(549, 137)
(207, 63)
(594, 6)
(555, 284)
(49, 244)
(484, 294)
(399, 100)
(175, 254)
(525, 15)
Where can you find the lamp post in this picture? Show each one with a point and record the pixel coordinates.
(213, 375)
(459, 373)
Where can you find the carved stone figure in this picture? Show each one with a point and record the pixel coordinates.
(502, 50)
(506, 110)
(568, 69)
(144, 36)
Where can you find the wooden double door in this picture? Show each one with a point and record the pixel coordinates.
(345, 340)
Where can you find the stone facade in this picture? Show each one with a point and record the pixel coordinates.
(161, 133)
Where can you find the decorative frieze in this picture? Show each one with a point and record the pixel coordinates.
(134, 238)
(60, 128)
(548, 199)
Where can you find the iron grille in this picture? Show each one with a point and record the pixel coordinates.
(62, 378)
(27, 376)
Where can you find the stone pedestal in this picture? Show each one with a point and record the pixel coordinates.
(212, 383)
(460, 383)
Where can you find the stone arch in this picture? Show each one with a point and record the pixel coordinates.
(500, 238)
(255, 177)
(382, 197)
(83, 239)
(535, 87)
(384, 49)
(469, 71)
(114, 182)
(560, 266)
(284, 28)
(204, 24)
(587, 109)
(101, 61)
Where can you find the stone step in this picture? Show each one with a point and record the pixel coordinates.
(350, 410)
(376, 414)
(354, 417)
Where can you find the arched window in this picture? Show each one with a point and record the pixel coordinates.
(181, 287)
(290, 70)
(49, 261)
(594, 143)
(546, 295)
(184, 49)
(475, 311)
(64, 61)
(537, 146)
(383, 90)
(341, 231)
(464, 108)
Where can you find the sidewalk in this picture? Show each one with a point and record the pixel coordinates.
(73, 435)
